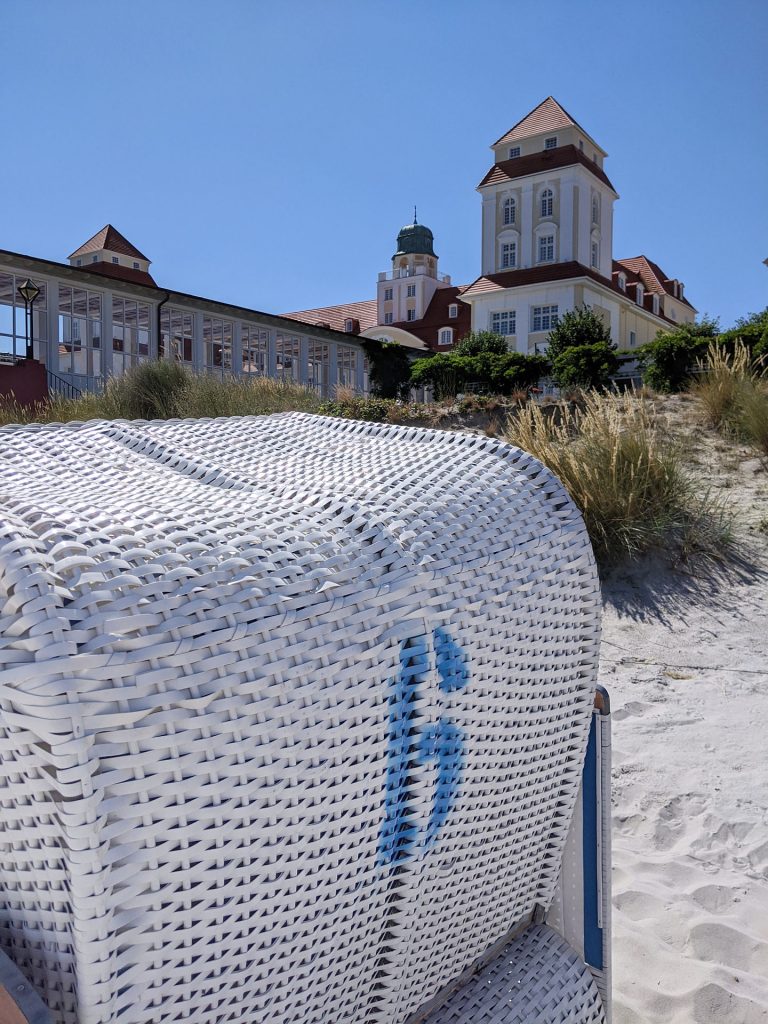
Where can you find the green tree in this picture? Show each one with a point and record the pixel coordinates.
(577, 327)
(449, 373)
(478, 342)
(585, 366)
(667, 362)
(752, 330)
(390, 368)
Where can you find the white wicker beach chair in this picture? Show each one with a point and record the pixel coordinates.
(294, 714)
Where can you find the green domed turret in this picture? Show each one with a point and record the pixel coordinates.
(415, 238)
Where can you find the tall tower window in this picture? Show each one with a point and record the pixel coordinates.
(595, 255)
(510, 211)
(546, 248)
(547, 202)
(595, 211)
(411, 291)
(387, 294)
(509, 255)
(387, 318)
(411, 315)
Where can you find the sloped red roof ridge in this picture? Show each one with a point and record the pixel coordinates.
(436, 317)
(121, 273)
(546, 160)
(109, 238)
(652, 276)
(365, 312)
(554, 272)
(549, 116)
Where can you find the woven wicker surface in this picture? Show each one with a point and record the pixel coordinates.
(292, 712)
(538, 979)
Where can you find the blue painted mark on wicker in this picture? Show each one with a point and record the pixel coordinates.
(451, 662)
(410, 744)
(442, 742)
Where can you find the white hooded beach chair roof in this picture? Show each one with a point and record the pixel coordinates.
(293, 712)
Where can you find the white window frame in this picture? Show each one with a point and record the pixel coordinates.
(514, 152)
(410, 314)
(503, 322)
(595, 254)
(656, 304)
(640, 295)
(510, 211)
(388, 293)
(509, 254)
(623, 282)
(445, 336)
(545, 244)
(632, 339)
(411, 292)
(115, 259)
(453, 310)
(349, 325)
(547, 202)
(544, 318)
(551, 142)
(387, 318)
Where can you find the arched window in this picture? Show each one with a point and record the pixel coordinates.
(547, 197)
(595, 210)
(510, 210)
(446, 336)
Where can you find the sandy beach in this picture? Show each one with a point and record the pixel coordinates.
(685, 657)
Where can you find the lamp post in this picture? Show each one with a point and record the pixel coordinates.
(29, 291)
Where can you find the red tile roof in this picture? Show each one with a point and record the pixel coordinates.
(109, 238)
(436, 317)
(556, 272)
(549, 116)
(366, 312)
(653, 277)
(120, 272)
(547, 159)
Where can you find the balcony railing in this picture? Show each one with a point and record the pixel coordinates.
(393, 275)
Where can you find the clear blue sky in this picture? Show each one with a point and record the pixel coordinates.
(267, 153)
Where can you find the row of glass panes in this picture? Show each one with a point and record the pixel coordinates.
(543, 318)
(13, 320)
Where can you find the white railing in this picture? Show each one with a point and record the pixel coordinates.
(393, 275)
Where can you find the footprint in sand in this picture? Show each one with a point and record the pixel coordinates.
(719, 944)
(632, 709)
(715, 899)
(713, 1004)
(638, 905)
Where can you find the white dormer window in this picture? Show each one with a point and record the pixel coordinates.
(640, 295)
(514, 152)
(550, 143)
(349, 326)
(623, 282)
(78, 263)
(453, 311)
(115, 259)
(510, 210)
(135, 265)
(656, 304)
(446, 336)
(94, 259)
(547, 201)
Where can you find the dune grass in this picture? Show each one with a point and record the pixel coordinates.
(627, 478)
(732, 393)
(162, 390)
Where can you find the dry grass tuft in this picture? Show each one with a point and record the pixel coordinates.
(624, 474)
(733, 395)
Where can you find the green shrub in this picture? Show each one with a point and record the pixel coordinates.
(627, 480)
(575, 329)
(478, 342)
(390, 368)
(667, 362)
(585, 366)
(450, 374)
